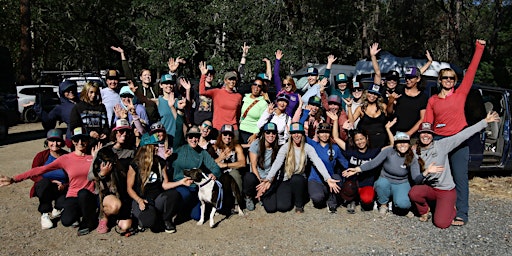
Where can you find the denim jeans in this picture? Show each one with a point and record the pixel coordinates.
(399, 191)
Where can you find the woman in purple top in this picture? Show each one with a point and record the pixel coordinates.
(287, 85)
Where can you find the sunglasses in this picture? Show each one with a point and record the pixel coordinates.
(232, 79)
(448, 78)
(270, 132)
(207, 126)
(125, 131)
(127, 95)
(409, 77)
(259, 85)
(193, 136)
(357, 90)
(83, 139)
(287, 84)
(227, 134)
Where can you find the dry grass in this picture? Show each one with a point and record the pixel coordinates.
(498, 187)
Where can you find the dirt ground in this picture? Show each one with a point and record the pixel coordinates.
(314, 232)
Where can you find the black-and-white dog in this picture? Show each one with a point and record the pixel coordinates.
(213, 192)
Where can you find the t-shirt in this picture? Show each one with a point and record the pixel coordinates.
(356, 158)
(268, 159)
(407, 111)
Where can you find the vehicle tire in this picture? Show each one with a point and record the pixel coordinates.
(30, 115)
(4, 129)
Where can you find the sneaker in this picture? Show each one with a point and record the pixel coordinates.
(102, 227)
(351, 207)
(169, 227)
(83, 231)
(55, 213)
(410, 215)
(249, 204)
(331, 209)
(46, 222)
(383, 209)
(299, 209)
(75, 224)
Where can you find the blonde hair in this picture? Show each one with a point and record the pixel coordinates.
(144, 161)
(289, 167)
(85, 90)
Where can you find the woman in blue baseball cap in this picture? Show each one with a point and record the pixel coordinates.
(280, 192)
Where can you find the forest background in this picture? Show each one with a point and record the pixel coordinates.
(77, 35)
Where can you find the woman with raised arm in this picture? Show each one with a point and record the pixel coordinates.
(286, 86)
(276, 113)
(445, 111)
(81, 203)
(439, 188)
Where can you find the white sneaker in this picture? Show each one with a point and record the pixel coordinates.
(46, 222)
(55, 213)
(383, 209)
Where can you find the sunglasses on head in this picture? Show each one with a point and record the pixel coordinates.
(270, 132)
(448, 78)
(194, 136)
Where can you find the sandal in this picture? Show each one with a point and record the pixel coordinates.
(458, 222)
(426, 216)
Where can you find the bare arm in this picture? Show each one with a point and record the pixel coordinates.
(335, 132)
(427, 64)
(374, 49)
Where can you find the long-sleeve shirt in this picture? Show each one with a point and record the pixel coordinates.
(294, 97)
(324, 154)
(76, 167)
(90, 117)
(393, 167)
(447, 114)
(310, 153)
(438, 151)
(226, 104)
(110, 99)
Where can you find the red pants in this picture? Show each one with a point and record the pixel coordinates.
(366, 195)
(445, 212)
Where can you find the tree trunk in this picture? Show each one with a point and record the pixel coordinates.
(25, 44)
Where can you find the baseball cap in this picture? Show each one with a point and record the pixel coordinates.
(334, 99)
(79, 133)
(426, 127)
(122, 124)
(193, 130)
(283, 97)
(156, 127)
(272, 127)
(315, 101)
(356, 86)
(324, 127)
(65, 85)
(230, 74)
(341, 78)
(148, 139)
(311, 71)
(401, 137)
(168, 79)
(393, 75)
(375, 89)
(227, 128)
(112, 74)
(412, 72)
(126, 92)
(210, 69)
(263, 76)
(296, 128)
(54, 134)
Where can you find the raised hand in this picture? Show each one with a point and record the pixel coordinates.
(331, 59)
(202, 68)
(374, 49)
(117, 49)
(279, 54)
(481, 41)
(185, 83)
(333, 116)
(427, 54)
(173, 64)
(270, 108)
(245, 49)
(492, 116)
(390, 124)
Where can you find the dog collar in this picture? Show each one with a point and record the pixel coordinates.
(206, 182)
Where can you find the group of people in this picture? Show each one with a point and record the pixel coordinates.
(335, 145)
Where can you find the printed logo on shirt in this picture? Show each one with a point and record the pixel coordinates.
(357, 162)
(152, 177)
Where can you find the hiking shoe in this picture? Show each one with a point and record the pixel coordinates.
(169, 227)
(383, 209)
(46, 222)
(75, 224)
(249, 204)
(351, 207)
(299, 209)
(83, 231)
(409, 215)
(102, 227)
(55, 213)
(331, 209)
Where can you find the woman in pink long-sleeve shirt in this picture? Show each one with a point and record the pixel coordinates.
(80, 199)
(446, 112)
(226, 102)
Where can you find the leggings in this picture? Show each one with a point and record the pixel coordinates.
(286, 194)
(85, 206)
(47, 192)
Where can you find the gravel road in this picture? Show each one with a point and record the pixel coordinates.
(489, 231)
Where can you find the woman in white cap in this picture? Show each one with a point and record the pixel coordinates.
(277, 114)
(280, 192)
(80, 199)
(398, 163)
(439, 188)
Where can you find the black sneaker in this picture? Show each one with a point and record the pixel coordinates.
(331, 209)
(169, 227)
(83, 231)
